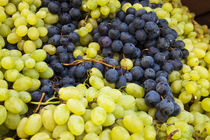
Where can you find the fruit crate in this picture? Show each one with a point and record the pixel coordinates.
(201, 8)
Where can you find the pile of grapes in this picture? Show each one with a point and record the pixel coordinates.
(103, 70)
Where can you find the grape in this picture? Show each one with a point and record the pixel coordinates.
(134, 90)
(48, 120)
(33, 124)
(4, 94)
(61, 114)
(66, 135)
(22, 84)
(69, 92)
(76, 124)
(76, 106)
(119, 132)
(90, 127)
(3, 113)
(58, 130)
(20, 128)
(40, 135)
(133, 124)
(14, 105)
(98, 115)
(106, 103)
(12, 120)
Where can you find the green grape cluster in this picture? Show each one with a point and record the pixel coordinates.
(101, 8)
(19, 74)
(24, 24)
(98, 112)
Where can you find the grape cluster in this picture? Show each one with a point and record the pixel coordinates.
(147, 51)
(19, 74)
(93, 113)
(26, 25)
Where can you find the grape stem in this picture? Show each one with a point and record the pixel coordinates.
(39, 103)
(171, 134)
(88, 59)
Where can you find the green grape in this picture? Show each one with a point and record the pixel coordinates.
(105, 10)
(59, 129)
(20, 128)
(50, 49)
(137, 136)
(4, 94)
(96, 72)
(20, 21)
(38, 43)
(141, 105)
(41, 14)
(3, 84)
(2, 15)
(66, 93)
(102, 2)
(91, 94)
(3, 114)
(95, 13)
(2, 42)
(119, 133)
(191, 87)
(149, 133)
(76, 124)
(61, 114)
(41, 66)
(90, 127)
(31, 19)
(40, 135)
(22, 30)
(10, 9)
(133, 123)
(47, 74)
(33, 33)
(127, 101)
(4, 30)
(39, 55)
(205, 104)
(30, 63)
(4, 2)
(91, 4)
(15, 53)
(48, 120)
(8, 62)
(87, 115)
(134, 90)
(98, 115)
(183, 126)
(66, 135)
(1, 75)
(105, 135)
(12, 120)
(23, 5)
(171, 129)
(110, 120)
(11, 75)
(9, 21)
(13, 93)
(91, 52)
(24, 110)
(42, 31)
(96, 82)
(29, 46)
(126, 63)
(106, 103)
(145, 118)
(51, 19)
(119, 111)
(91, 136)
(22, 84)
(14, 105)
(25, 96)
(33, 124)
(185, 97)
(76, 106)
(32, 73)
